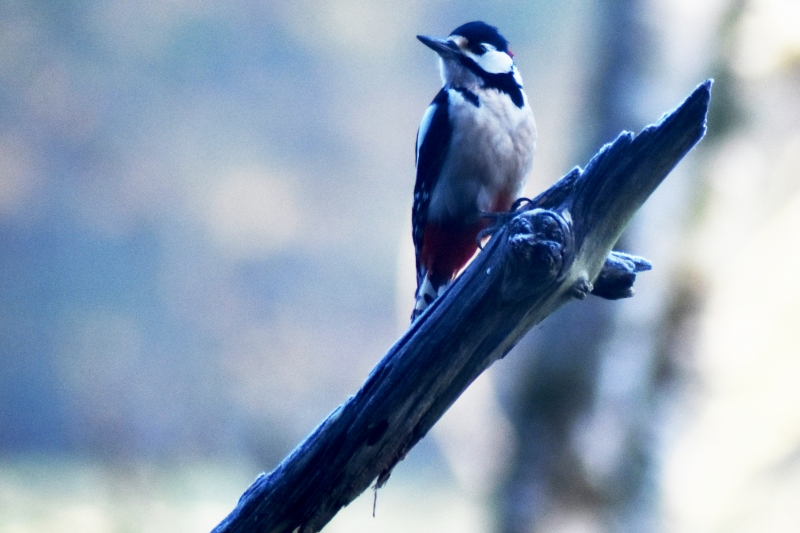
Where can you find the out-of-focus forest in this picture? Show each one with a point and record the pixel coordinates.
(205, 247)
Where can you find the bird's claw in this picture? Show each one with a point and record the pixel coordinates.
(498, 220)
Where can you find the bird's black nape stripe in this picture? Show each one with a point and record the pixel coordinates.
(504, 82)
(469, 96)
(480, 32)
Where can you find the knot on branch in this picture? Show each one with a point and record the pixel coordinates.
(539, 245)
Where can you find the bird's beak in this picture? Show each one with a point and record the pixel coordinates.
(443, 47)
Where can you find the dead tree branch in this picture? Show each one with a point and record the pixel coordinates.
(553, 249)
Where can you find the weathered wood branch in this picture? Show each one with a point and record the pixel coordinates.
(553, 249)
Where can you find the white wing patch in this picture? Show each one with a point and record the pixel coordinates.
(424, 125)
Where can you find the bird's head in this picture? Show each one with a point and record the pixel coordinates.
(473, 53)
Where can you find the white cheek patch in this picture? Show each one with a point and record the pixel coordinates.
(495, 62)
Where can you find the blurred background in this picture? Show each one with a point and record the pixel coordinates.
(205, 247)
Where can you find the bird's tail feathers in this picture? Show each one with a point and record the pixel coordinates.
(427, 292)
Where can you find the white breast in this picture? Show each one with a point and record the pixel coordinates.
(491, 150)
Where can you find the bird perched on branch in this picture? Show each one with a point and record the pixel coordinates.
(474, 152)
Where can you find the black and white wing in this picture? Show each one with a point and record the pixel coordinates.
(433, 139)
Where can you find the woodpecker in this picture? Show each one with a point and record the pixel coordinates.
(474, 152)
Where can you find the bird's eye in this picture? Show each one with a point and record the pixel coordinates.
(479, 49)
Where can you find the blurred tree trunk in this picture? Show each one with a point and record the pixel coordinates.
(582, 407)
